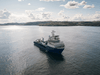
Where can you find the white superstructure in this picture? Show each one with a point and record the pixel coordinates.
(54, 41)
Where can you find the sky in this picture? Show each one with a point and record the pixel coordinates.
(23, 11)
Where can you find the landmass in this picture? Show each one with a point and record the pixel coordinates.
(12, 24)
(72, 23)
(58, 23)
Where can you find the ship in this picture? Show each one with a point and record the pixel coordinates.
(52, 45)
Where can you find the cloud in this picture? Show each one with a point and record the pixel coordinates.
(52, 0)
(29, 11)
(88, 6)
(96, 16)
(4, 21)
(61, 12)
(83, 3)
(77, 17)
(29, 3)
(65, 17)
(20, 0)
(71, 5)
(97, 12)
(35, 16)
(4, 14)
(39, 16)
(22, 18)
(32, 15)
(28, 16)
(32, 11)
(74, 4)
(89, 17)
(46, 15)
(8, 17)
(19, 18)
(40, 9)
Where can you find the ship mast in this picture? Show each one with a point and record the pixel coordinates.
(53, 33)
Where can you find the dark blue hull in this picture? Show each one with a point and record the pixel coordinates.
(48, 49)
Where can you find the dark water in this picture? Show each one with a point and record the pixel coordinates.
(19, 56)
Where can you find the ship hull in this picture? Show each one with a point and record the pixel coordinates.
(48, 48)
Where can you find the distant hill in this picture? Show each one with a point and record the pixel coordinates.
(72, 23)
(58, 23)
(12, 24)
(36, 23)
(28, 23)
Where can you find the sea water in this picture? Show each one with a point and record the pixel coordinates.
(19, 56)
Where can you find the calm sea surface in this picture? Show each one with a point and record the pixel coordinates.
(19, 56)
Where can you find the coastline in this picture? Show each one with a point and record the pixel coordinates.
(56, 23)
